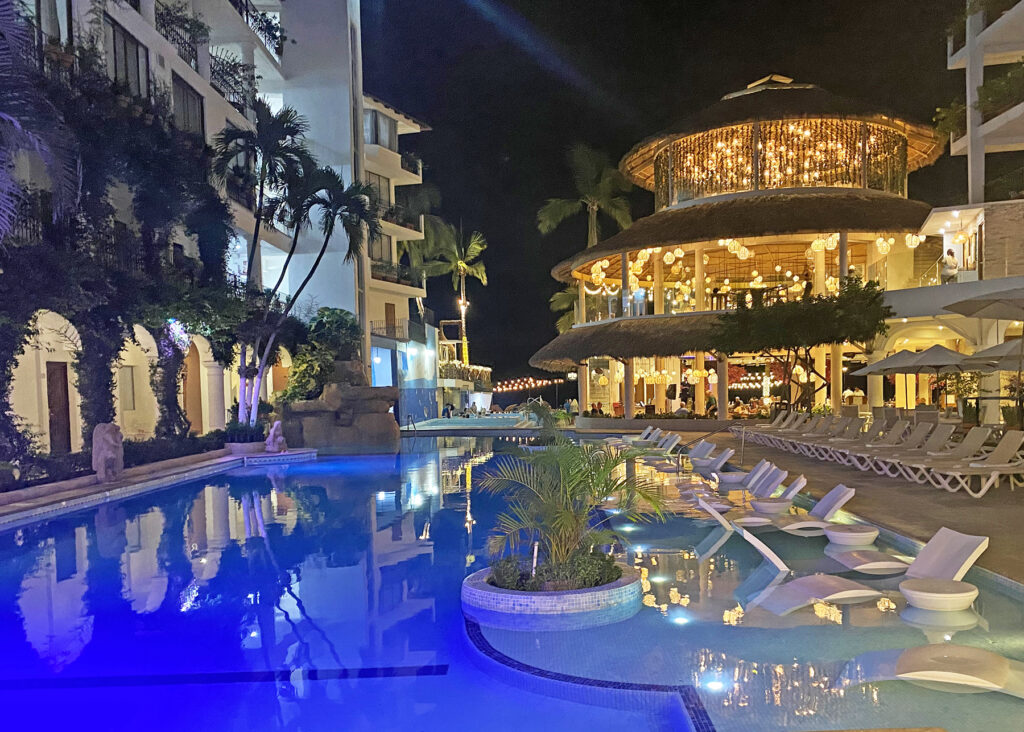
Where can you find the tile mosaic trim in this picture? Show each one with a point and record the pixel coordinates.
(699, 719)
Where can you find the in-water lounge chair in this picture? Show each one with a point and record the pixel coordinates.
(947, 556)
(709, 465)
(815, 521)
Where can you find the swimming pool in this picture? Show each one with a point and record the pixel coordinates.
(325, 596)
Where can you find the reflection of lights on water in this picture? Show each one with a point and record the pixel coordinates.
(253, 634)
(659, 578)
(416, 500)
(714, 685)
(381, 495)
(613, 511)
(947, 637)
(629, 527)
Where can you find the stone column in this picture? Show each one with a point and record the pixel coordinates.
(659, 286)
(818, 353)
(836, 378)
(628, 402)
(214, 414)
(723, 386)
(582, 373)
(660, 404)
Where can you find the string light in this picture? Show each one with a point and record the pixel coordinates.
(524, 384)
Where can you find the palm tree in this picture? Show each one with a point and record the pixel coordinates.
(30, 123)
(354, 208)
(457, 255)
(598, 188)
(564, 302)
(276, 146)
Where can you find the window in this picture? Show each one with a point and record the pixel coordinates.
(188, 107)
(126, 388)
(380, 249)
(127, 59)
(382, 186)
(379, 129)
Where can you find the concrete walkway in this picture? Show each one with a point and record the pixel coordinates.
(913, 510)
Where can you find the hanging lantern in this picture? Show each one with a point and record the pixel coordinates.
(913, 240)
(679, 252)
(832, 242)
(669, 258)
(883, 245)
(818, 245)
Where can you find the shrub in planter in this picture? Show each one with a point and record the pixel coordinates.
(241, 433)
(583, 570)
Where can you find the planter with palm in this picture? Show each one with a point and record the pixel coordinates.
(457, 255)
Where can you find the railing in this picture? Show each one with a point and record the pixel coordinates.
(417, 331)
(993, 11)
(1006, 187)
(185, 46)
(261, 24)
(479, 375)
(241, 193)
(412, 164)
(229, 86)
(122, 253)
(398, 273)
(399, 217)
(393, 329)
(27, 227)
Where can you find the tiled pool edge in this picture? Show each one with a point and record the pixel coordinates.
(99, 496)
(637, 697)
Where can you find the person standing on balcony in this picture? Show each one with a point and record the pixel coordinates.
(950, 267)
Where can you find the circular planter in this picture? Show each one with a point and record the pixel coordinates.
(245, 448)
(942, 595)
(851, 534)
(570, 610)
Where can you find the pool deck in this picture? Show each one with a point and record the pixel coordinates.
(915, 511)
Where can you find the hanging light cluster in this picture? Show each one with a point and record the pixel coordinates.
(692, 376)
(524, 384)
(754, 382)
(827, 242)
(597, 271)
(883, 245)
(913, 241)
(734, 247)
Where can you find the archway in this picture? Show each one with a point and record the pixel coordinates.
(137, 409)
(43, 390)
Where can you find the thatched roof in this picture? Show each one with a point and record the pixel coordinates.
(815, 211)
(653, 335)
(774, 100)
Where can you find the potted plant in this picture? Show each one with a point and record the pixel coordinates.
(553, 541)
(241, 438)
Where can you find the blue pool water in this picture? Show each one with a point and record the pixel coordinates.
(325, 596)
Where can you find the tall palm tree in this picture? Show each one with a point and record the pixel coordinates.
(275, 146)
(30, 123)
(457, 255)
(599, 186)
(353, 207)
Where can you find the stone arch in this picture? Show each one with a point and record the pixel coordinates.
(928, 331)
(202, 387)
(44, 392)
(136, 403)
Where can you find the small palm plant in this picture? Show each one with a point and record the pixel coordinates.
(553, 495)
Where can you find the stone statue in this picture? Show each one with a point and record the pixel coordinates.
(275, 440)
(107, 452)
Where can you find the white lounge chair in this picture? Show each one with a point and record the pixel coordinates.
(888, 462)
(820, 449)
(782, 598)
(778, 503)
(864, 459)
(663, 449)
(969, 449)
(650, 433)
(839, 451)
(947, 556)
(1003, 460)
(738, 478)
(762, 432)
(707, 466)
(893, 436)
(815, 426)
(937, 666)
(815, 521)
(828, 427)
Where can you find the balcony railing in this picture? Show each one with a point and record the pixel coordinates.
(122, 253)
(394, 329)
(412, 164)
(240, 192)
(993, 10)
(479, 375)
(181, 41)
(261, 24)
(398, 273)
(235, 90)
(400, 217)
(27, 227)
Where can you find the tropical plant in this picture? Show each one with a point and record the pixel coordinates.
(353, 208)
(553, 494)
(275, 146)
(334, 335)
(564, 303)
(599, 186)
(459, 256)
(30, 123)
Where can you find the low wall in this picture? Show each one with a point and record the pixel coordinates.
(569, 610)
(610, 424)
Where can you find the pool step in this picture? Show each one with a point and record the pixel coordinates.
(301, 455)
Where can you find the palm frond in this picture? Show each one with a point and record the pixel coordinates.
(555, 211)
(618, 209)
(587, 166)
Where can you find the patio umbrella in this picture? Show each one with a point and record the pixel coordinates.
(1001, 305)
(890, 365)
(1003, 357)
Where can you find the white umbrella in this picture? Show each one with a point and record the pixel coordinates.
(1001, 305)
(937, 359)
(1003, 357)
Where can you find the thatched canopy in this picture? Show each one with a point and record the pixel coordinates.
(775, 100)
(653, 335)
(760, 215)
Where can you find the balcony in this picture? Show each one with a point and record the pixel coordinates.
(412, 164)
(400, 217)
(182, 42)
(479, 375)
(396, 330)
(231, 80)
(241, 192)
(264, 26)
(398, 273)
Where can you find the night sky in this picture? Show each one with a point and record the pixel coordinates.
(508, 86)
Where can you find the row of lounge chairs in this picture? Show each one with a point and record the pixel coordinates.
(924, 453)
